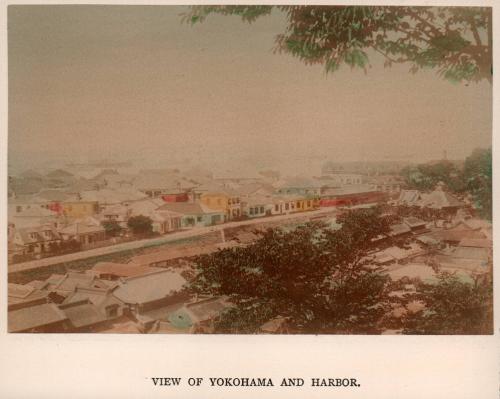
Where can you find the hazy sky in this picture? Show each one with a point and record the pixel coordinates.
(89, 82)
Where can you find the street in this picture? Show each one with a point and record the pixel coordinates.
(54, 260)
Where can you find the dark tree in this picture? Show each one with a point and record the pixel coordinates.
(478, 173)
(453, 307)
(54, 247)
(426, 176)
(140, 225)
(320, 279)
(71, 245)
(112, 228)
(456, 41)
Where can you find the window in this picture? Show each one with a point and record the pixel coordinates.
(287, 206)
(251, 211)
(199, 219)
(261, 209)
(309, 203)
(19, 208)
(276, 208)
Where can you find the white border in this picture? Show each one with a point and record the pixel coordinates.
(118, 366)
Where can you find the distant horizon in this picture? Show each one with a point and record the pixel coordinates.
(137, 166)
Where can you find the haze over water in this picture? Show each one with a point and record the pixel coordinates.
(133, 82)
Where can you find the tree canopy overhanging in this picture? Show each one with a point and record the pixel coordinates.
(453, 307)
(316, 277)
(455, 41)
(323, 280)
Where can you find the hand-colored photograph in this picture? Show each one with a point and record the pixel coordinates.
(244, 169)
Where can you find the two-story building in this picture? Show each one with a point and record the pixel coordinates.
(226, 200)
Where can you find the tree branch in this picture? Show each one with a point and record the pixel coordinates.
(473, 27)
(388, 57)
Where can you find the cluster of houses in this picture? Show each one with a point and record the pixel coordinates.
(136, 297)
(447, 230)
(63, 211)
(109, 297)
(150, 293)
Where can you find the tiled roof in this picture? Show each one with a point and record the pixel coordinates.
(470, 253)
(349, 190)
(476, 243)
(36, 211)
(174, 253)
(160, 181)
(439, 199)
(83, 315)
(34, 316)
(251, 188)
(207, 308)
(150, 287)
(78, 228)
(187, 208)
(19, 290)
(71, 280)
(52, 195)
(110, 196)
(299, 182)
(258, 200)
(122, 269)
(456, 235)
(409, 197)
(34, 235)
(397, 229)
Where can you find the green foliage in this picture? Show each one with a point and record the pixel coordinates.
(423, 37)
(475, 178)
(478, 174)
(140, 225)
(244, 319)
(426, 214)
(112, 228)
(316, 277)
(425, 176)
(247, 13)
(453, 307)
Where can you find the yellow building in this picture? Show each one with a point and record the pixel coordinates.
(304, 204)
(80, 209)
(228, 203)
(293, 203)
